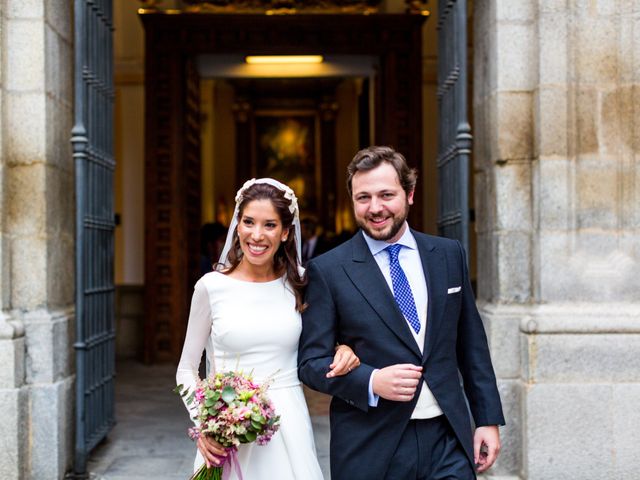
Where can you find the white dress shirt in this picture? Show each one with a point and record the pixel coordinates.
(409, 258)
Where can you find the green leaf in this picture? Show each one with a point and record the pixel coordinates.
(190, 398)
(209, 402)
(178, 389)
(258, 418)
(250, 436)
(216, 395)
(228, 394)
(256, 425)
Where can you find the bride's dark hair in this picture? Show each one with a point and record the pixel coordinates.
(285, 261)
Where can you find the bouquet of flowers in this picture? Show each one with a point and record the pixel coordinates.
(232, 409)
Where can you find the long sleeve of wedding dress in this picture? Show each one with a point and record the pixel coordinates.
(198, 332)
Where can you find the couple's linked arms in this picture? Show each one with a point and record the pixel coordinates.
(316, 348)
(344, 361)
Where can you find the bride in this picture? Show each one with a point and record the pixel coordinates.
(247, 316)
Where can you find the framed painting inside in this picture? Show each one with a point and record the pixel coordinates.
(286, 147)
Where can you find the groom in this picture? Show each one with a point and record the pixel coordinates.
(402, 300)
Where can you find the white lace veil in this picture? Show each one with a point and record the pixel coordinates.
(293, 208)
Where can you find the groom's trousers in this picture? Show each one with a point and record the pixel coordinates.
(429, 450)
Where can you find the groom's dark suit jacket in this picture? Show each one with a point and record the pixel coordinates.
(350, 302)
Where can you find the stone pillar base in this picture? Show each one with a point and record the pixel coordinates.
(13, 399)
(502, 324)
(568, 378)
(51, 424)
(582, 391)
(13, 420)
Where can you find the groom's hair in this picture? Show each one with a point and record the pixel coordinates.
(372, 157)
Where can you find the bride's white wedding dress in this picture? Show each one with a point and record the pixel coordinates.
(254, 327)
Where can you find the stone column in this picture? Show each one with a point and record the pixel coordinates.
(557, 89)
(12, 393)
(504, 83)
(36, 240)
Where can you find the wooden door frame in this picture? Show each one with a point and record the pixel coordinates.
(174, 40)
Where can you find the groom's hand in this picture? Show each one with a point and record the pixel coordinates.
(397, 382)
(486, 446)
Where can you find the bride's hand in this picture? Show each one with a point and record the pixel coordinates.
(344, 361)
(210, 450)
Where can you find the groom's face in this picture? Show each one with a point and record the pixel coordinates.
(380, 204)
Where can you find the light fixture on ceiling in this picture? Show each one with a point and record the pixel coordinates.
(283, 59)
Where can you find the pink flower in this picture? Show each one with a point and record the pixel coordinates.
(199, 395)
(243, 412)
(229, 419)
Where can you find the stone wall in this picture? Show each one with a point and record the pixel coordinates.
(557, 123)
(36, 239)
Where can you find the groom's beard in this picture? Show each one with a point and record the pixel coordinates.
(388, 233)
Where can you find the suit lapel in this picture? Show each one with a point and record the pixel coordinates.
(368, 279)
(435, 271)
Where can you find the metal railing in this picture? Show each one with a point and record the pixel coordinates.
(92, 140)
(454, 141)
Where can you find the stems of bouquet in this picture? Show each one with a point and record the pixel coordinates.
(204, 473)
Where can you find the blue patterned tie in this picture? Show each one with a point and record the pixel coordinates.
(402, 289)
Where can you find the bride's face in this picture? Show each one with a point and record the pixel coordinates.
(260, 232)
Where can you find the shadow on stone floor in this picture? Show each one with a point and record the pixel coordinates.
(150, 439)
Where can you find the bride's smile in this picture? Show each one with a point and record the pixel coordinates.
(260, 232)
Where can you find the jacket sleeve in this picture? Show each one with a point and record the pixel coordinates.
(317, 346)
(474, 360)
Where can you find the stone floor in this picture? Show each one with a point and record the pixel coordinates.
(150, 439)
